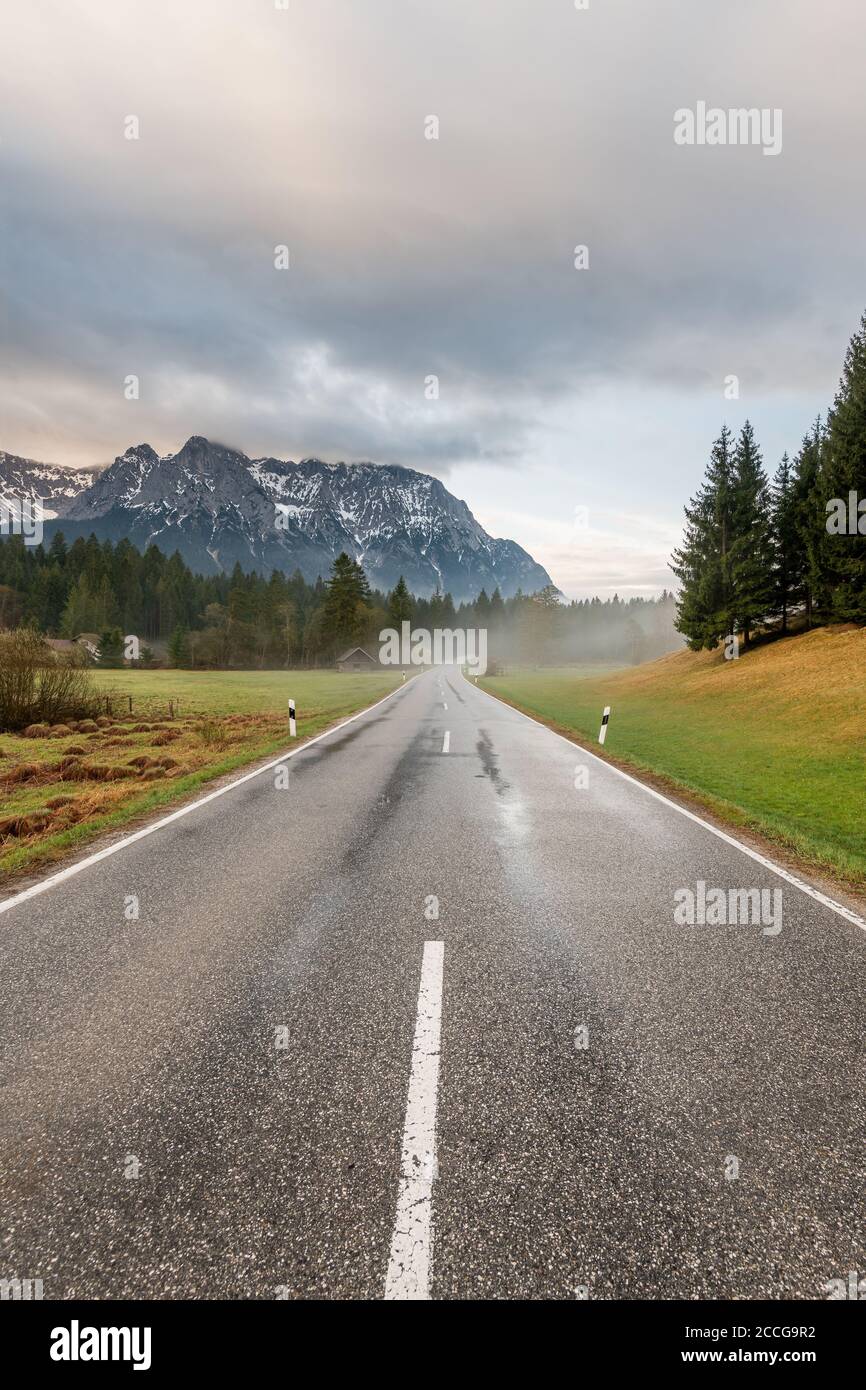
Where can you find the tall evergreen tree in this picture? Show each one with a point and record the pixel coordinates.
(178, 648)
(346, 607)
(751, 548)
(399, 603)
(482, 609)
(706, 610)
(845, 477)
(788, 556)
(497, 609)
(808, 487)
(79, 611)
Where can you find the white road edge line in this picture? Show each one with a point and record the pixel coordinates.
(73, 869)
(408, 1274)
(795, 882)
(446, 742)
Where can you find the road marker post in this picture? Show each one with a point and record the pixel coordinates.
(602, 733)
(293, 728)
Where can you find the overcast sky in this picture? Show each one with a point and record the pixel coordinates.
(559, 388)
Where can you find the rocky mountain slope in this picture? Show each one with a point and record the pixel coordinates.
(55, 487)
(218, 508)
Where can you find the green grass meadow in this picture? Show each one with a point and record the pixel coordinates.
(321, 696)
(775, 741)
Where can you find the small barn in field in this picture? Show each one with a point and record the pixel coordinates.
(356, 659)
(81, 646)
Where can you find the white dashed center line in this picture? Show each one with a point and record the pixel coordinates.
(446, 742)
(412, 1242)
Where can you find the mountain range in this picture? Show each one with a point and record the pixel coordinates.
(55, 487)
(218, 508)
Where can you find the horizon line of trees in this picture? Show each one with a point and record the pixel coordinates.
(758, 552)
(244, 619)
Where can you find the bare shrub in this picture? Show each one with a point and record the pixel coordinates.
(39, 687)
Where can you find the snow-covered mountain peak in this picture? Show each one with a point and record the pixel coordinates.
(218, 508)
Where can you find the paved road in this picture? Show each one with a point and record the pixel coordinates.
(246, 1045)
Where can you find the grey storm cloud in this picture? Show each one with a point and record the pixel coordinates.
(411, 257)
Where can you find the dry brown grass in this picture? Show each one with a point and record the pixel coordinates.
(49, 774)
(76, 794)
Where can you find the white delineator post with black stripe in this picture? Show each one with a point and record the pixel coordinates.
(602, 733)
(293, 728)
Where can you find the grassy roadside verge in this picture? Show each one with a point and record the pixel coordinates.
(61, 789)
(774, 742)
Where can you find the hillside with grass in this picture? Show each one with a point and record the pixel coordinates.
(774, 741)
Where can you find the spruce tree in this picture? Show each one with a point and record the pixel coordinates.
(751, 548)
(399, 604)
(706, 609)
(497, 609)
(178, 647)
(789, 562)
(346, 607)
(809, 487)
(845, 477)
(78, 613)
(436, 604)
